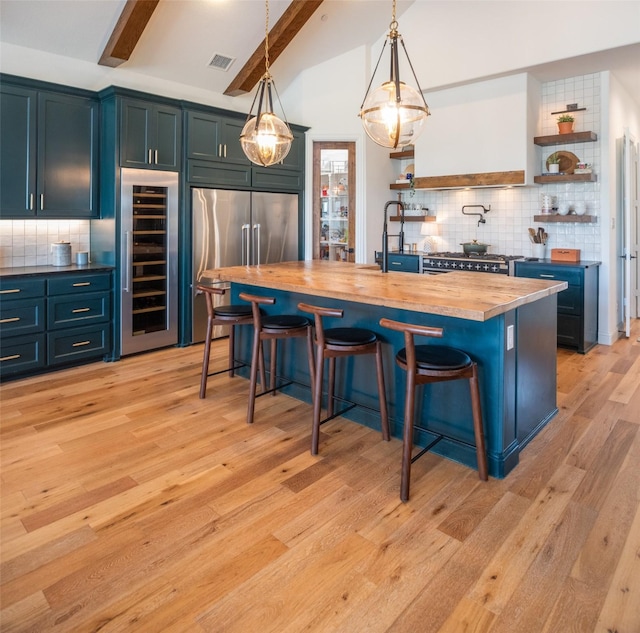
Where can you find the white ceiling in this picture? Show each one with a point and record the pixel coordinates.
(183, 35)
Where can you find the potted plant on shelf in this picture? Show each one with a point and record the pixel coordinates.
(553, 163)
(565, 124)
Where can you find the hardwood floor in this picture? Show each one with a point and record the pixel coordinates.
(128, 504)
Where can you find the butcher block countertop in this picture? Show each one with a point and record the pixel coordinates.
(464, 295)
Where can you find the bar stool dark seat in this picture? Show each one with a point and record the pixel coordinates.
(272, 328)
(238, 314)
(434, 363)
(337, 342)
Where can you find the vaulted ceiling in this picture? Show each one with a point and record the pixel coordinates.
(177, 39)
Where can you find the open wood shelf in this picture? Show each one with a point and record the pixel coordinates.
(557, 139)
(405, 153)
(552, 217)
(546, 180)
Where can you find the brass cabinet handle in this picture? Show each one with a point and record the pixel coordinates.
(10, 291)
(81, 310)
(80, 343)
(10, 320)
(9, 357)
(82, 283)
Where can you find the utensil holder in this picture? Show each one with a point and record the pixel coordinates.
(538, 250)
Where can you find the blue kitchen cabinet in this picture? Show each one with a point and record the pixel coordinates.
(57, 319)
(49, 153)
(150, 135)
(577, 305)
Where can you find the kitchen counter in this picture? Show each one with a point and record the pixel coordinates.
(506, 324)
(473, 296)
(28, 271)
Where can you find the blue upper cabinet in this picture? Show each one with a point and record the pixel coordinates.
(214, 137)
(150, 135)
(18, 107)
(48, 154)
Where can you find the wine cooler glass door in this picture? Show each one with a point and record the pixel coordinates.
(149, 266)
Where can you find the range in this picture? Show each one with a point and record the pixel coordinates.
(474, 262)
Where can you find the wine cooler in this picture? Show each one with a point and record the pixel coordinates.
(149, 266)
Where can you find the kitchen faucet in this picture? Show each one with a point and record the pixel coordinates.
(481, 220)
(385, 235)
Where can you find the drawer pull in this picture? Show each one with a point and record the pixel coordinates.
(13, 357)
(12, 290)
(549, 276)
(80, 344)
(81, 310)
(10, 320)
(82, 283)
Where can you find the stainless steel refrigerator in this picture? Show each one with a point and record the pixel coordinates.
(236, 228)
(149, 260)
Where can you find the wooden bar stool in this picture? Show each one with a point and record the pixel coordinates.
(336, 342)
(272, 328)
(434, 363)
(232, 315)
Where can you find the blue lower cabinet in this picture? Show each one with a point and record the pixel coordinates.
(21, 354)
(50, 320)
(79, 344)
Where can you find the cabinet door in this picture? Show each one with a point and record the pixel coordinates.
(166, 138)
(295, 158)
(134, 133)
(203, 136)
(17, 152)
(232, 149)
(67, 156)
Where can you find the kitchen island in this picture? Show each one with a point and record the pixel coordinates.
(506, 324)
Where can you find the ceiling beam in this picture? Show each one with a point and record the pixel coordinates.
(280, 36)
(127, 32)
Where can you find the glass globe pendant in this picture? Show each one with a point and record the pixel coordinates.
(394, 114)
(265, 138)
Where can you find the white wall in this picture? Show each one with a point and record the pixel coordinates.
(455, 42)
(622, 112)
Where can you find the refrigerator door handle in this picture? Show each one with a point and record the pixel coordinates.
(128, 261)
(256, 243)
(245, 244)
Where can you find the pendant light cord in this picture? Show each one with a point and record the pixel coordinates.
(266, 40)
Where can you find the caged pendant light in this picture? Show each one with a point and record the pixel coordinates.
(265, 138)
(394, 114)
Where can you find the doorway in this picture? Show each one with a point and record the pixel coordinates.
(334, 204)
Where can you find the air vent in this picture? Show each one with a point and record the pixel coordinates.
(221, 62)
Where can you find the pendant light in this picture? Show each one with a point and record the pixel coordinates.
(394, 114)
(265, 138)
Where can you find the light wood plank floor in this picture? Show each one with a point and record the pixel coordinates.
(128, 504)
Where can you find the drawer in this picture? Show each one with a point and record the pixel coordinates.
(72, 284)
(553, 273)
(83, 342)
(24, 316)
(21, 354)
(21, 288)
(403, 263)
(63, 311)
(569, 329)
(570, 300)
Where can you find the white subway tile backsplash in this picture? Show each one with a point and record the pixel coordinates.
(28, 242)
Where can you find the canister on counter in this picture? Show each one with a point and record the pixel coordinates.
(61, 254)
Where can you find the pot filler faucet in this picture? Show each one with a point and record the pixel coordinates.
(385, 235)
(469, 206)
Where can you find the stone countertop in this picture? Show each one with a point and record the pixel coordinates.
(464, 295)
(29, 271)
